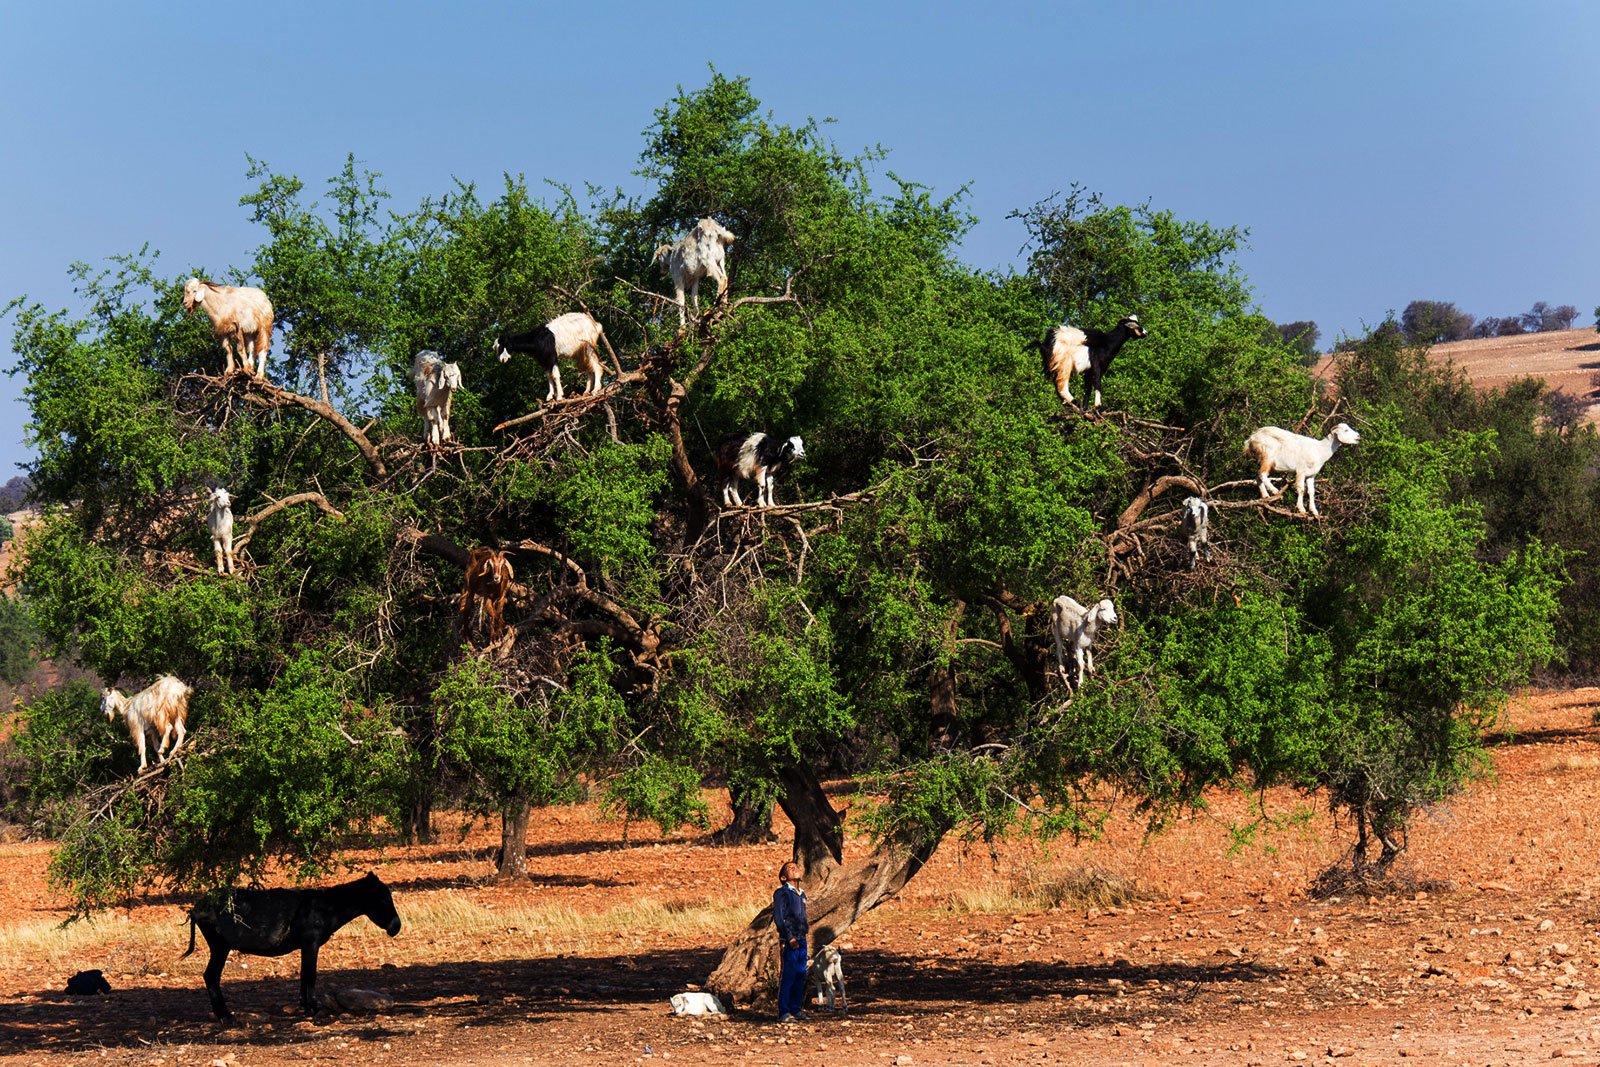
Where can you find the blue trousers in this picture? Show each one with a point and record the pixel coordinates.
(792, 981)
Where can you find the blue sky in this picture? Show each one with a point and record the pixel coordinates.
(1378, 152)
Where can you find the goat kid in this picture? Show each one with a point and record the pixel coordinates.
(241, 317)
(158, 710)
(1068, 350)
(741, 456)
(827, 975)
(219, 520)
(436, 383)
(1278, 450)
(699, 254)
(574, 336)
(1076, 626)
(1196, 526)
(276, 922)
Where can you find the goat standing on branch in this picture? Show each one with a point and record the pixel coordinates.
(436, 383)
(1076, 626)
(754, 456)
(1067, 350)
(1196, 526)
(159, 711)
(241, 317)
(574, 336)
(489, 577)
(219, 520)
(1276, 449)
(699, 254)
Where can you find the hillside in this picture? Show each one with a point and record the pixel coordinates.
(1566, 359)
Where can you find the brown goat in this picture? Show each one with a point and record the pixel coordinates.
(241, 317)
(489, 577)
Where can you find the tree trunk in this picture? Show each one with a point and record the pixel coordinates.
(418, 826)
(752, 820)
(514, 840)
(833, 904)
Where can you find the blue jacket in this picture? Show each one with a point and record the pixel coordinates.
(789, 913)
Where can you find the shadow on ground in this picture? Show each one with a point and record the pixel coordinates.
(520, 992)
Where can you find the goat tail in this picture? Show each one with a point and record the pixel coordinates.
(190, 951)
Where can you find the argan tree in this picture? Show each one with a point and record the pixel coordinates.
(887, 620)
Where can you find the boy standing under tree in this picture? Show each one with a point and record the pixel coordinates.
(789, 915)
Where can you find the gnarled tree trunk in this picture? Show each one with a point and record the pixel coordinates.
(513, 856)
(752, 820)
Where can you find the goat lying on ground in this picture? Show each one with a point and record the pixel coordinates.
(696, 1003)
(1067, 350)
(699, 254)
(1075, 626)
(219, 520)
(436, 383)
(827, 975)
(574, 336)
(489, 577)
(158, 710)
(755, 456)
(1196, 525)
(1276, 449)
(276, 922)
(240, 315)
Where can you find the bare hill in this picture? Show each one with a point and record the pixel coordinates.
(1566, 359)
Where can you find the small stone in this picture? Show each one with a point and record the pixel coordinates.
(1580, 1001)
(902, 1059)
(1193, 896)
(1546, 926)
(1297, 1055)
(1336, 1051)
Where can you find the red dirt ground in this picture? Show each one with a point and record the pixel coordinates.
(1233, 963)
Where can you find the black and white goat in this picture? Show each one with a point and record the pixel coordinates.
(757, 457)
(1067, 350)
(574, 336)
(1196, 526)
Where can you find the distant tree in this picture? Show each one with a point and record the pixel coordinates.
(1542, 318)
(1301, 337)
(1432, 322)
(6, 530)
(14, 494)
(1564, 410)
(1597, 318)
(1497, 326)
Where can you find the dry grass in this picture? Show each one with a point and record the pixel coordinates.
(1567, 764)
(1035, 888)
(430, 921)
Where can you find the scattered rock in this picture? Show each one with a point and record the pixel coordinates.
(1193, 896)
(1580, 1001)
(1337, 1051)
(1546, 926)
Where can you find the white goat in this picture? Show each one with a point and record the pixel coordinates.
(159, 711)
(700, 253)
(827, 974)
(241, 317)
(436, 383)
(1075, 625)
(219, 520)
(1196, 525)
(697, 1003)
(1279, 450)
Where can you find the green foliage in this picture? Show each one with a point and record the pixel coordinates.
(19, 639)
(657, 790)
(893, 627)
